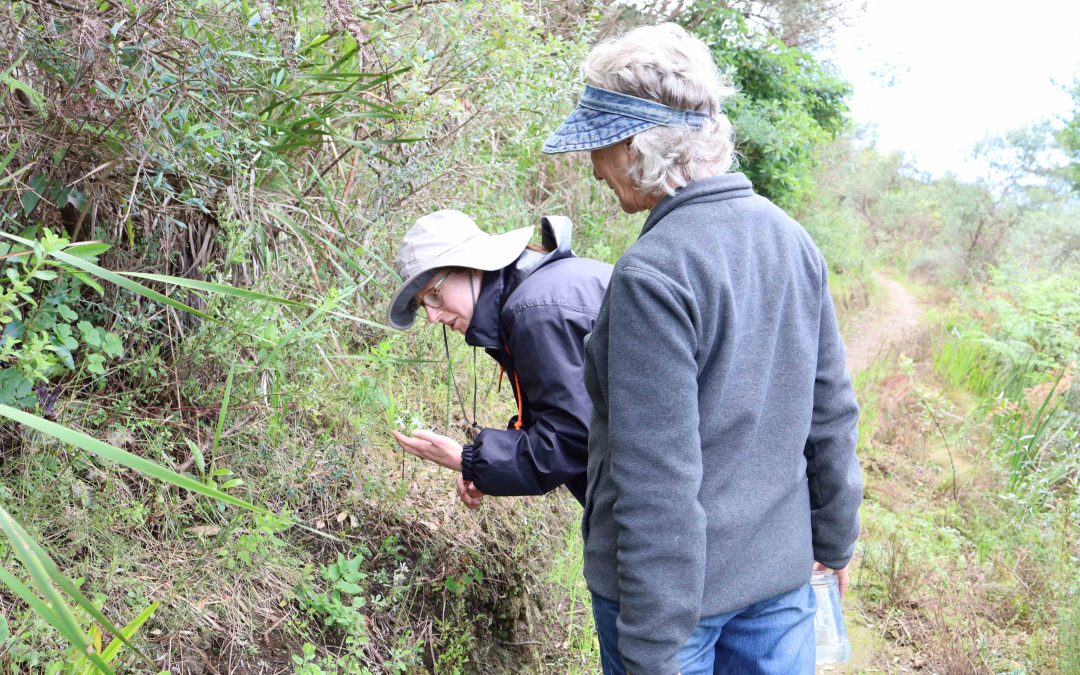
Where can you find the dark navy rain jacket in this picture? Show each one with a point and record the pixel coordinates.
(532, 318)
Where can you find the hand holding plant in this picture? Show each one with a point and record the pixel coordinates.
(431, 446)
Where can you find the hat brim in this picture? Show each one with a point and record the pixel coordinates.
(588, 129)
(486, 253)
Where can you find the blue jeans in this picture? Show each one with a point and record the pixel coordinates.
(771, 637)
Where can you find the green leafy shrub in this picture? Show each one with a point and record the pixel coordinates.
(40, 307)
(788, 104)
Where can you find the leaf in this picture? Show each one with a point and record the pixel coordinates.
(111, 345)
(115, 278)
(122, 457)
(88, 249)
(32, 195)
(129, 631)
(45, 275)
(15, 389)
(221, 289)
(65, 355)
(11, 155)
(349, 587)
(95, 363)
(20, 589)
(86, 280)
(200, 461)
(67, 313)
(90, 333)
(18, 85)
(224, 409)
(44, 572)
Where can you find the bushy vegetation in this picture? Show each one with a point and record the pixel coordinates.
(970, 436)
(256, 164)
(200, 205)
(788, 104)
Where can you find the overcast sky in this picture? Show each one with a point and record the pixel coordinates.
(935, 76)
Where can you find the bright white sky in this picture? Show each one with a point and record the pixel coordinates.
(935, 76)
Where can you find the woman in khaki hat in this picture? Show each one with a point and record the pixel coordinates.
(530, 308)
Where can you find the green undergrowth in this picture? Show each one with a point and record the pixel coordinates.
(967, 559)
(389, 572)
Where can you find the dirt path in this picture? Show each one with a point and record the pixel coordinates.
(876, 328)
(886, 322)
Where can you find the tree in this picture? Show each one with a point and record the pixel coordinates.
(788, 103)
(1068, 140)
(804, 24)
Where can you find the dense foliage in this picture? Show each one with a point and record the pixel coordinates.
(1069, 140)
(201, 201)
(247, 170)
(788, 102)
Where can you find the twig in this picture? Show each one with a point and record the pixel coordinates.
(952, 464)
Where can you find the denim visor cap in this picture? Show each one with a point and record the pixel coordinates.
(604, 117)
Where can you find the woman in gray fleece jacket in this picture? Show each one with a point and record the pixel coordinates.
(721, 461)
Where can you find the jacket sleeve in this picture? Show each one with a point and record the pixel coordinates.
(546, 345)
(656, 468)
(832, 469)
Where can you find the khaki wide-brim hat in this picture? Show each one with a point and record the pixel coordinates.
(447, 238)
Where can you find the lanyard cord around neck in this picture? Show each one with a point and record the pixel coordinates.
(450, 366)
(471, 427)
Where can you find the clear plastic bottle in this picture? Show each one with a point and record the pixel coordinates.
(830, 632)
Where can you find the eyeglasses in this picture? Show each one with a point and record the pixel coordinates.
(432, 297)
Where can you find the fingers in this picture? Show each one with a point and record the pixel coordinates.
(841, 576)
(468, 494)
(445, 452)
(435, 439)
(417, 447)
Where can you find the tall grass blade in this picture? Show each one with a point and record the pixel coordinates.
(41, 569)
(129, 631)
(223, 411)
(210, 287)
(37, 604)
(69, 587)
(122, 457)
(113, 277)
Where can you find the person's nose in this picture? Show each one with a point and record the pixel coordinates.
(432, 314)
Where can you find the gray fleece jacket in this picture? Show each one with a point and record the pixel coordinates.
(722, 443)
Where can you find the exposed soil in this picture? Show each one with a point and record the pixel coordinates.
(892, 320)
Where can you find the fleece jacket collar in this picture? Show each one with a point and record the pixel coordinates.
(713, 188)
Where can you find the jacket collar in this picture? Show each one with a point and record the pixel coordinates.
(713, 188)
(483, 330)
(556, 234)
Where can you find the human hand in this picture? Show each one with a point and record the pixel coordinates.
(468, 494)
(841, 576)
(431, 446)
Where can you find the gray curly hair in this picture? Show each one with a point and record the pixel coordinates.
(666, 64)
